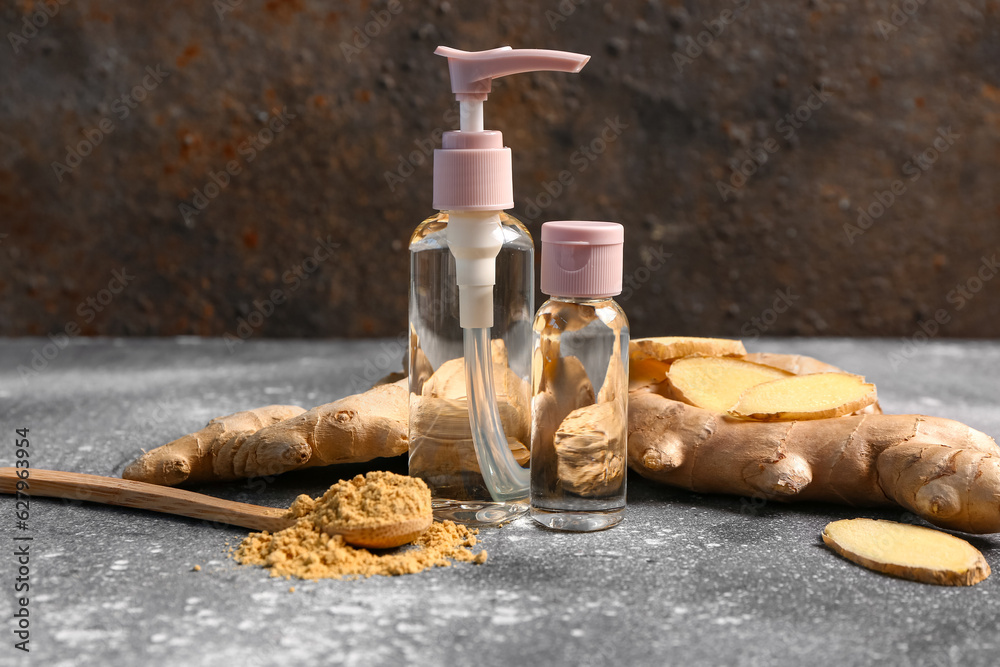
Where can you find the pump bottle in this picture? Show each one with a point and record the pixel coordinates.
(471, 306)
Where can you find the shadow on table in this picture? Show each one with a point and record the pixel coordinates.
(756, 519)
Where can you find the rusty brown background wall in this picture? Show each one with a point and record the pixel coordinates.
(114, 116)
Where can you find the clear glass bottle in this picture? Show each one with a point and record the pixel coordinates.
(579, 382)
(441, 447)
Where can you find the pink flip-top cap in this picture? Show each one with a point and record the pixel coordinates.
(582, 259)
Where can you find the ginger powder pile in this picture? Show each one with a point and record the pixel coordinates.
(304, 551)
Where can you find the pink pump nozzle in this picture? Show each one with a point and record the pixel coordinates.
(472, 72)
(472, 170)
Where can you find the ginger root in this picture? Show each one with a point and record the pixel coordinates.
(814, 396)
(275, 439)
(353, 429)
(578, 441)
(442, 447)
(589, 452)
(192, 458)
(563, 386)
(943, 471)
(907, 551)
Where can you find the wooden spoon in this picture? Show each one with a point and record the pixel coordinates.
(141, 495)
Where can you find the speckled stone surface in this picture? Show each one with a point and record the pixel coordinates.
(686, 579)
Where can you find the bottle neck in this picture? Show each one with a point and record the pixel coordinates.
(472, 217)
(583, 301)
(475, 239)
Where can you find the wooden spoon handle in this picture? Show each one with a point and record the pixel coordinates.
(140, 495)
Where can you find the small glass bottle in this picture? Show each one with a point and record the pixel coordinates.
(579, 380)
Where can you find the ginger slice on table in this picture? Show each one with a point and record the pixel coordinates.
(907, 551)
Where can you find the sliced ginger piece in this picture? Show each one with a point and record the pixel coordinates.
(667, 348)
(815, 396)
(716, 383)
(646, 372)
(907, 551)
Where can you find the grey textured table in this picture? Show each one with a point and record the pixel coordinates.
(686, 579)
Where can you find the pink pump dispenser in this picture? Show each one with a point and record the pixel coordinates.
(472, 172)
(471, 306)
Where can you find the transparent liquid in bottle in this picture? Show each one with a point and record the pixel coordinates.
(579, 414)
(441, 448)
